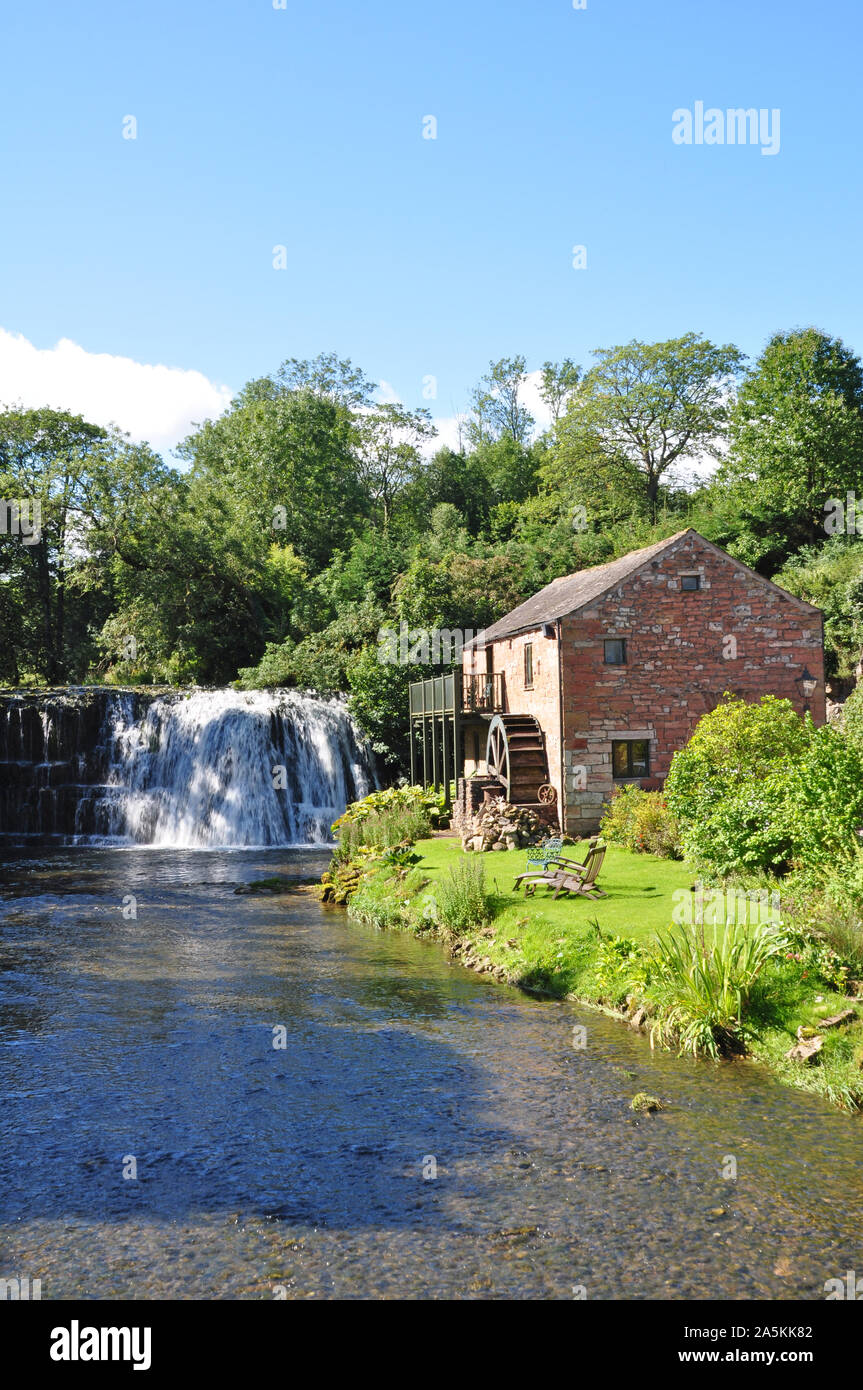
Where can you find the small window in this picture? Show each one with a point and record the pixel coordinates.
(630, 757)
(690, 582)
(528, 665)
(615, 651)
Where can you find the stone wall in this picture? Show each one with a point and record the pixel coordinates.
(736, 633)
(684, 649)
(486, 822)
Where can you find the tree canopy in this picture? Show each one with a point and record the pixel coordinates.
(311, 515)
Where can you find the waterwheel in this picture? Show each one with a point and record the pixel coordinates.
(515, 755)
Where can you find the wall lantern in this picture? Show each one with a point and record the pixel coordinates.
(807, 684)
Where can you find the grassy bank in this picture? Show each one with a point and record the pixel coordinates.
(600, 951)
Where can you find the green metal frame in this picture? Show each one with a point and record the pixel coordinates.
(435, 722)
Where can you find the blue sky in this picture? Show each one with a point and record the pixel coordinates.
(302, 127)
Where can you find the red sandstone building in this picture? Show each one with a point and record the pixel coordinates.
(598, 679)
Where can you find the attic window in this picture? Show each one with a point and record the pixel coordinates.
(615, 651)
(689, 583)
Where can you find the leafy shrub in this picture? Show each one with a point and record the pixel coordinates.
(403, 798)
(461, 898)
(733, 744)
(757, 787)
(641, 821)
(852, 718)
(401, 856)
(743, 832)
(702, 982)
(833, 912)
(386, 820)
(822, 808)
(817, 959)
(383, 830)
(622, 967)
(827, 912)
(618, 818)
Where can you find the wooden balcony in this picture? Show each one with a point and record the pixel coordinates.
(483, 694)
(480, 694)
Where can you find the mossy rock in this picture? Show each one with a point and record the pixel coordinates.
(267, 885)
(643, 1103)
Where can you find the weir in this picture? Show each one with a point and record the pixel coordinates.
(187, 769)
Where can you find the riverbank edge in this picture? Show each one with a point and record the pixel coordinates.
(389, 897)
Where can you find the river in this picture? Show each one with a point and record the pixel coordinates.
(423, 1132)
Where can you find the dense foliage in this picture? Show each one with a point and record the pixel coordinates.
(641, 821)
(289, 532)
(759, 788)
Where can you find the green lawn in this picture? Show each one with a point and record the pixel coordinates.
(639, 888)
(539, 943)
(557, 948)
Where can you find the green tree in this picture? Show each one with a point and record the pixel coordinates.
(558, 382)
(497, 407)
(797, 428)
(389, 439)
(290, 456)
(647, 406)
(85, 481)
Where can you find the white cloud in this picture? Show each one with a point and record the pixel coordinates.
(150, 402)
(387, 394)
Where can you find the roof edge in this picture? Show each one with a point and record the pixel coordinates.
(657, 549)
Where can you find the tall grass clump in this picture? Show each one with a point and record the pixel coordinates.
(461, 898)
(383, 829)
(385, 820)
(840, 918)
(702, 980)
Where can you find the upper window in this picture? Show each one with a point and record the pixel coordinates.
(528, 665)
(615, 651)
(690, 582)
(630, 757)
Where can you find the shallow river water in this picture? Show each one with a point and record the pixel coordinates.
(423, 1132)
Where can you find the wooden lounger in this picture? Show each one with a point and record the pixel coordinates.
(580, 879)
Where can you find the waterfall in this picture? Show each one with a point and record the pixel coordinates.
(188, 769)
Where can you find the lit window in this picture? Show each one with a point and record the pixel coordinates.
(615, 651)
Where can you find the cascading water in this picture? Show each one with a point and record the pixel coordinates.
(201, 769)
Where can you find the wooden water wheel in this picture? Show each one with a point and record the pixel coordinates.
(515, 755)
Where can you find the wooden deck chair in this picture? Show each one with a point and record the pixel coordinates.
(551, 855)
(559, 871)
(587, 886)
(576, 866)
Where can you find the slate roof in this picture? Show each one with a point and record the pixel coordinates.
(573, 591)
